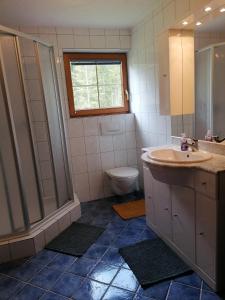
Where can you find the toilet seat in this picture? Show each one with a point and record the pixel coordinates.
(123, 172)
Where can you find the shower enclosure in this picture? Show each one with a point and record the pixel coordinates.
(210, 90)
(35, 179)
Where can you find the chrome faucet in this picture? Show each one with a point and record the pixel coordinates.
(193, 145)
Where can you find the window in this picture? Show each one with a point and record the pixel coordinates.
(96, 83)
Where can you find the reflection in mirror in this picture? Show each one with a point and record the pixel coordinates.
(209, 84)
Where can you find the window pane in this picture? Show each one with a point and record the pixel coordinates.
(110, 96)
(83, 75)
(109, 74)
(85, 97)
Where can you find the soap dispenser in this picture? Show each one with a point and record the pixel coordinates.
(184, 143)
(208, 136)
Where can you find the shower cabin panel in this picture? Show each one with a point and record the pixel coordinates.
(39, 123)
(16, 97)
(203, 92)
(12, 216)
(219, 91)
(53, 106)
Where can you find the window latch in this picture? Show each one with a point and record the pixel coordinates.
(127, 94)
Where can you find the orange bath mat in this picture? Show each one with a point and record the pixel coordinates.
(131, 209)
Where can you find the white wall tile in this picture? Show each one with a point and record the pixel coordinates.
(94, 162)
(92, 144)
(91, 126)
(34, 89)
(79, 164)
(108, 160)
(97, 31)
(81, 183)
(77, 146)
(130, 140)
(131, 157)
(120, 158)
(82, 41)
(106, 143)
(125, 42)
(76, 128)
(96, 185)
(119, 142)
(64, 30)
(98, 41)
(37, 111)
(41, 133)
(81, 31)
(65, 41)
(45, 29)
(112, 32)
(113, 42)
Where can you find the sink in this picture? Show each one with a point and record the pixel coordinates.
(176, 156)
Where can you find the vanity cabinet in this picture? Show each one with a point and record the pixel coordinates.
(190, 219)
(183, 223)
(206, 234)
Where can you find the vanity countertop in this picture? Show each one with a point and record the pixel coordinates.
(214, 165)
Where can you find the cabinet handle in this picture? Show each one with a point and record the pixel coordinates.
(204, 183)
(166, 209)
(149, 197)
(164, 75)
(201, 233)
(175, 215)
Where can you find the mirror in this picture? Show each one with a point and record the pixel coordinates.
(209, 84)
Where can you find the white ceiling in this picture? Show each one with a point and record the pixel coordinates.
(215, 25)
(83, 13)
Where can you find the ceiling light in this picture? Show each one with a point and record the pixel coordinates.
(222, 10)
(198, 23)
(207, 9)
(185, 23)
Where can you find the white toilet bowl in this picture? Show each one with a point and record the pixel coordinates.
(123, 180)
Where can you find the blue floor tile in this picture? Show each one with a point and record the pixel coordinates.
(118, 294)
(9, 286)
(53, 296)
(156, 291)
(179, 291)
(96, 251)
(103, 272)
(44, 257)
(124, 242)
(112, 257)
(190, 279)
(46, 278)
(206, 295)
(125, 279)
(24, 271)
(90, 290)
(29, 292)
(67, 284)
(107, 238)
(83, 266)
(61, 262)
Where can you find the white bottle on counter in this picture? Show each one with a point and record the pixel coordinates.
(184, 143)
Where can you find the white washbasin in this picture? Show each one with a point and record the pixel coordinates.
(177, 156)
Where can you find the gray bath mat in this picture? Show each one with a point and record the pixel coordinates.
(153, 261)
(76, 239)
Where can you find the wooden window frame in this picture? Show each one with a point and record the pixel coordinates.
(68, 57)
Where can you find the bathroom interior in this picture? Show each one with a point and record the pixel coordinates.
(103, 104)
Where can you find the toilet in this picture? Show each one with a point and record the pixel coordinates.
(123, 180)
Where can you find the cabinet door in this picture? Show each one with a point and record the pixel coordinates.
(162, 201)
(183, 216)
(206, 234)
(164, 80)
(149, 204)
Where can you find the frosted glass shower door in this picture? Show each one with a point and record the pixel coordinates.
(55, 123)
(12, 81)
(219, 91)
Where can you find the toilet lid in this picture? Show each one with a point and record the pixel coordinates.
(123, 172)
